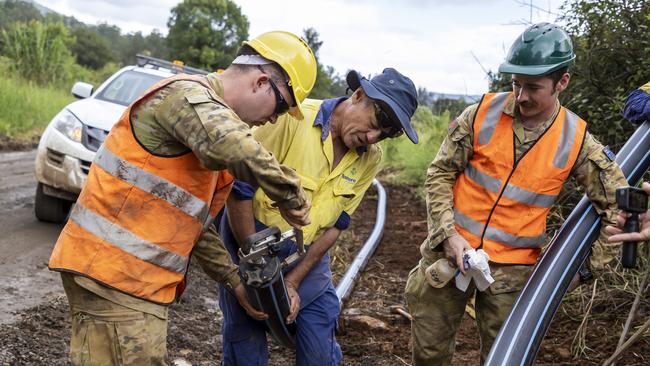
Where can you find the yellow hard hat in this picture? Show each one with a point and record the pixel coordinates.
(295, 56)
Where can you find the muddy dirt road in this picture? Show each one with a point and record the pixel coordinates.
(25, 243)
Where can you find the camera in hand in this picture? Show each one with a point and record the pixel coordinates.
(634, 201)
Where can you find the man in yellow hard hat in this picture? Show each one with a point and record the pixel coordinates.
(154, 189)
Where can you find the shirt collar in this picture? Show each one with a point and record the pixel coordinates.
(215, 83)
(324, 118)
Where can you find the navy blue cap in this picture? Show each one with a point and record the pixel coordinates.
(393, 90)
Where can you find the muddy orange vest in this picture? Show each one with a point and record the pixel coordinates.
(501, 206)
(139, 215)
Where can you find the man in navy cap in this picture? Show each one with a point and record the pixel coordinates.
(334, 152)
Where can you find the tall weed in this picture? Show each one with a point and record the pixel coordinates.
(26, 107)
(38, 52)
(408, 162)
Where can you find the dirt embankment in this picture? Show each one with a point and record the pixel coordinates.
(41, 335)
(18, 144)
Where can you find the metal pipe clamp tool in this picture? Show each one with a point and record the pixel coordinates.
(261, 270)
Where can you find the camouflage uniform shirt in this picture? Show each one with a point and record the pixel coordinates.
(184, 117)
(593, 170)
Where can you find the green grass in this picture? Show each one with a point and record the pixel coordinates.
(407, 163)
(26, 108)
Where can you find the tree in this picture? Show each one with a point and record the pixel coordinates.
(338, 86)
(611, 39)
(311, 36)
(453, 107)
(111, 33)
(154, 45)
(133, 44)
(612, 43)
(157, 45)
(119, 43)
(321, 89)
(328, 83)
(206, 33)
(499, 82)
(12, 11)
(425, 98)
(90, 49)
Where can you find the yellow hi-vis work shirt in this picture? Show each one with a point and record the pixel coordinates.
(306, 146)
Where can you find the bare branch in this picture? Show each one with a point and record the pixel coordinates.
(479, 63)
(533, 6)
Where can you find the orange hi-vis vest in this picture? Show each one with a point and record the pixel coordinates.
(139, 215)
(501, 205)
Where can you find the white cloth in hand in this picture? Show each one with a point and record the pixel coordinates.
(479, 270)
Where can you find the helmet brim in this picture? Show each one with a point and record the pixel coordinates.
(295, 57)
(538, 70)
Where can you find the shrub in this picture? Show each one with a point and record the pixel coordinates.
(409, 162)
(39, 52)
(26, 108)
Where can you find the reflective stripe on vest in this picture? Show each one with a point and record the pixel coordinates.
(157, 186)
(501, 204)
(513, 192)
(492, 117)
(495, 234)
(568, 135)
(127, 241)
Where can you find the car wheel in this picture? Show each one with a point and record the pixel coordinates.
(50, 209)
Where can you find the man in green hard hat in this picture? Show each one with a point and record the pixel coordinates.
(490, 188)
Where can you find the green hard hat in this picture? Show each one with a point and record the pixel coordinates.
(539, 50)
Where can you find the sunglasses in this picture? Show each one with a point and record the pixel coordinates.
(281, 105)
(386, 125)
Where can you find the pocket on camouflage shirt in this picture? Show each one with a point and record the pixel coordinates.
(604, 175)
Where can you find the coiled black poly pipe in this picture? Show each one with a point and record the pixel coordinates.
(523, 331)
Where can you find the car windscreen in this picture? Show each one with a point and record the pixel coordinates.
(129, 85)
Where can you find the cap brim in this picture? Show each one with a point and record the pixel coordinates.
(353, 79)
(394, 111)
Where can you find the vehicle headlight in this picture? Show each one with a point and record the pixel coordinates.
(66, 123)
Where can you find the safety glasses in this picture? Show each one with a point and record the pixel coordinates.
(281, 105)
(386, 125)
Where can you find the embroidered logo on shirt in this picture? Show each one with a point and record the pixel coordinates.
(453, 125)
(609, 153)
(348, 179)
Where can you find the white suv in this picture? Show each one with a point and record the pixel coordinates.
(70, 141)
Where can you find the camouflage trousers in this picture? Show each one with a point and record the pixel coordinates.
(105, 333)
(437, 312)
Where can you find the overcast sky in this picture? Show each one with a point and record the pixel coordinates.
(434, 42)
